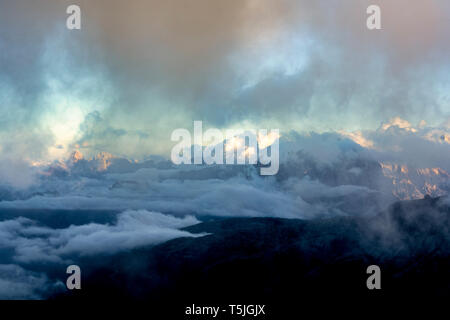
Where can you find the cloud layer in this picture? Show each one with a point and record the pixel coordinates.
(27, 248)
(37, 244)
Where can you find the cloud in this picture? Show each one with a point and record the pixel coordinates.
(32, 243)
(27, 247)
(17, 283)
(200, 197)
(150, 68)
(418, 146)
(321, 175)
(134, 73)
(340, 160)
(16, 173)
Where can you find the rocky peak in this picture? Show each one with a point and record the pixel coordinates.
(103, 160)
(76, 156)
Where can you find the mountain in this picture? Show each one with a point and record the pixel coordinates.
(401, 181)
(103, 162)
(388, 181)
(76, 156)
(268, 260)
(415, 183)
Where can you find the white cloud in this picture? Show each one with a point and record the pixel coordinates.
(336, 160)
(17, 283)
(37, 244)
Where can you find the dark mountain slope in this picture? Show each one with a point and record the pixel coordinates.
(263, 260)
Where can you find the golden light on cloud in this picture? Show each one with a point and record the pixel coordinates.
(400, 123)
(64, 123)
(266, 140)
(358, 137)
(249, 152)
(234, 143)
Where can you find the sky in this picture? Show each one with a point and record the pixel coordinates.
(355, 109)
(135, 72)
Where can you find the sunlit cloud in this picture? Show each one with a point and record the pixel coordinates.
(266, 140)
